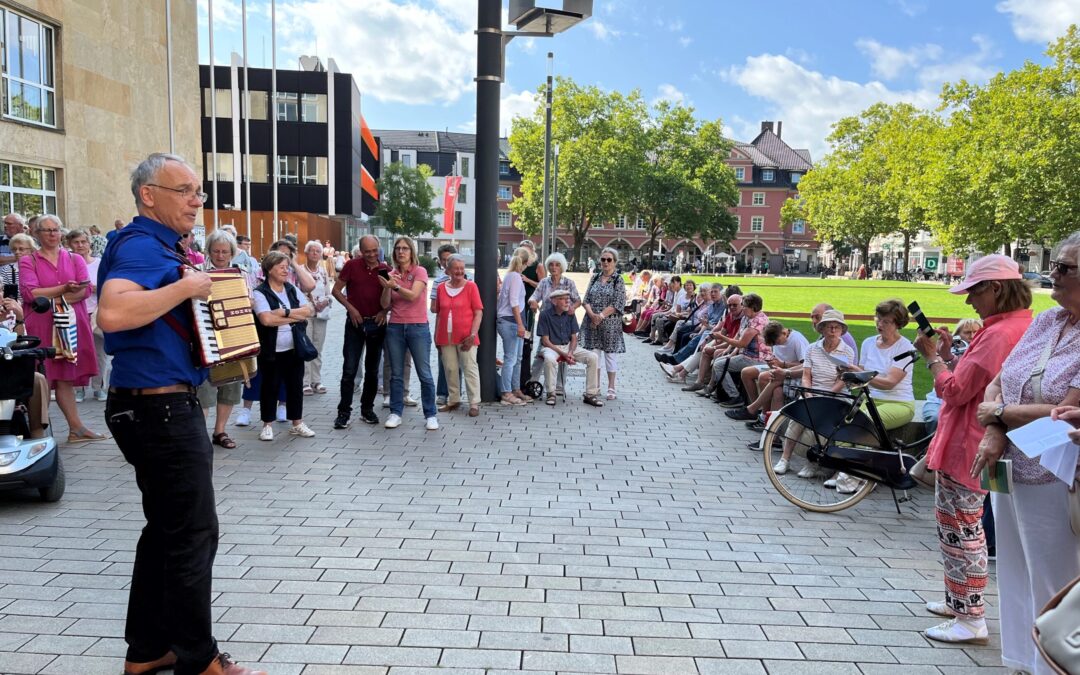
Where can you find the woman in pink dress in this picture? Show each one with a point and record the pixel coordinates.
(51, 272)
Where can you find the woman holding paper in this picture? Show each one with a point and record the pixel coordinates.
(997, 292)
(1038, 552)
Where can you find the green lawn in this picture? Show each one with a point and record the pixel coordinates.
(800, 294)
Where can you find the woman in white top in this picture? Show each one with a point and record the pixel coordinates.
(511, 327)
(891, 388)
(316, 327)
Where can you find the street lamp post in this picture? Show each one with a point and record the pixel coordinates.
(554, 202)
(548, 224)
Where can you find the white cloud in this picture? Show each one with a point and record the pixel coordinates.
(671, 93)
(972, 67)
(512, 104)
(1041, 20)
(401, 53)
(601, 29)
(910, 7)
(686, 41)
(527, 44)
(808, 101)
(890, 62)
(226, 13)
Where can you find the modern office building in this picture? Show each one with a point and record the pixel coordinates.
(85, 97)
(327, 158)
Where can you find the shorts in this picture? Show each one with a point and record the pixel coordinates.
(229, 394)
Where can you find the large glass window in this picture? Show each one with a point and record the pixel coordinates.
(29, 190)
(223, 103)
(258, 168)
(757, 224)
(293, 107)
(302, 170)
(465, 167)
(758, 199)
(224, 166)
(504, 219)
(257, 107)
(463, 194)
(505, 193)
(740, 173)
(29, 87)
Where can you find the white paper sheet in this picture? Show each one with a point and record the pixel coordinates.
(1048, 440)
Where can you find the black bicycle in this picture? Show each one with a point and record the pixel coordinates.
(827, 434)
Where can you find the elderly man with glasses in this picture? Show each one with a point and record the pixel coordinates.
(158, 423)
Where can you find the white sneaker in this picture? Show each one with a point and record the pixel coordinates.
(392, 421)
(431, 424)
(386, 401)
(243, 418)
(281, 414)
(301, 430)
(967, 631)
(940, 608)
(409, 400)
(80, 394)
(847, 485)
(781, 467)
(101, 395)
(808, 471)
(831, 482)
(267, 433)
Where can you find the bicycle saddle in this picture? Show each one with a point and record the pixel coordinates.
(861, 377)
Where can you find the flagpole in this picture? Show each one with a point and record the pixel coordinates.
(273, 110)
(213, 112)
(168, 72)
(245, 109)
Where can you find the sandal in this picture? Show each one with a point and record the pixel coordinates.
(308, 391)
(474, 411)
(84, 435)
(610, 394)
(319, 389)
(223, 440)
(550, 399)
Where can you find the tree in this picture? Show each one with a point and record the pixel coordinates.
(405, 201)
(684, 189)
(600, 137)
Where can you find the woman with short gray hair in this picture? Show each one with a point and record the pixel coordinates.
(556, 280)
(316, 328)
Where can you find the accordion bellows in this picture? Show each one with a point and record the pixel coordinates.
(225, 322)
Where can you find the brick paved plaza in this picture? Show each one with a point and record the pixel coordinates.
(639, 538)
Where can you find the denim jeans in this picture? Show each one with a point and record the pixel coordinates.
(416, 337)
(164, 438)
(368, 336)
(686, 351)
(511, 368)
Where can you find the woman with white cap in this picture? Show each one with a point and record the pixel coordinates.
(997, 292)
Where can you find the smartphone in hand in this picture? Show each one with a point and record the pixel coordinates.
(921, 320)
(385, 274)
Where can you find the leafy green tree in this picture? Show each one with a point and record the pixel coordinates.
(405, 201)
(684, 189)
(601, 139)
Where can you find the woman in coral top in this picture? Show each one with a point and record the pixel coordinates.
(998, 294)
(458, 313)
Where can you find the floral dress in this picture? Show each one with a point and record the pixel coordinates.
(608, 336)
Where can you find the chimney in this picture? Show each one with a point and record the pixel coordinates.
(767, 125)
(779, 129)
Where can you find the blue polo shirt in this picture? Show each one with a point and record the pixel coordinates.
(153, 355)
(558, 327)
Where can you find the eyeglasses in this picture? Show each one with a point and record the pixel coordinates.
(186, 192)
(1062, 267)
(48, 230)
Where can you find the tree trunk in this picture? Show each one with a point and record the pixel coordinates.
(1008, 248)
(579, 239)
(865, 249)
(652, 243)
(907, 251)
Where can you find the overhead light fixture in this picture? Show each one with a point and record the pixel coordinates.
(526, 17)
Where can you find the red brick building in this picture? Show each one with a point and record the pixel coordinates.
(768, 171)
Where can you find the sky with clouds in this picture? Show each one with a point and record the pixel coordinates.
(806, 64)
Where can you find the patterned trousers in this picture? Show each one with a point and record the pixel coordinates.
(963, 546)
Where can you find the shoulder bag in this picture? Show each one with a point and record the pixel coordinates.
(1057, 630)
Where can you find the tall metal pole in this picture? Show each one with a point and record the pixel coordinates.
(168, 72)
(273, 112)
(545, 250)
(554, 200)
(245, 108)
(489, 43)
(213, 112)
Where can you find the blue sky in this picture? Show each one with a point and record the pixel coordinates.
(806, 64)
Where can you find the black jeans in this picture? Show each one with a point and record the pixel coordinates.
(164, 438)
(283, 367)
(370, 336)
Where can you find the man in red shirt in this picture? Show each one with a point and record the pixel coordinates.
(366, 301)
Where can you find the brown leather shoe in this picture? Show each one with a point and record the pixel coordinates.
(149, 667)
(223, 665)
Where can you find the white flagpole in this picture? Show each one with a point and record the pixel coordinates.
(213, 112)
(245, 109)
(273, 110)
(168, 73)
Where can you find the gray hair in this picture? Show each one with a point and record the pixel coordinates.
(148, 169)
(613, 252)
(313, 244)
(454, 257)
(1071, 241)
(218, 236)
(18, 218)
(356, 251)
(557, 257)
(40, 222)
(704, 287)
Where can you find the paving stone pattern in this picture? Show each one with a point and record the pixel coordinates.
(638, 538)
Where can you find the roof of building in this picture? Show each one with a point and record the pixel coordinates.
(433, 141)
(773, 152)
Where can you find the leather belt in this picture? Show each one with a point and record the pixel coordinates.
(152, 391)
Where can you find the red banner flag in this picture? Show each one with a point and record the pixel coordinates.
(449, 202)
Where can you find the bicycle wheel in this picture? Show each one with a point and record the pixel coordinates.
(807, 490)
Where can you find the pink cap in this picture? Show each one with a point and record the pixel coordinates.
(995, 267)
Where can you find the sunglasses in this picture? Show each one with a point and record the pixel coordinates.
(607, 259)
(1062, 267)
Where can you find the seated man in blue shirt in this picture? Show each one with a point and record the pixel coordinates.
(157, 421)
(558, 332)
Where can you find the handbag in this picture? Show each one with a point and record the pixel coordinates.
(1057, 630)
(923, 475)
(303, 345)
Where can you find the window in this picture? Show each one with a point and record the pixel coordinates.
(464, 167)
(223, 103)
(258, 168)
(293, 107)
(29, 190)
(757, 224)
(641, 222)
(758, 199)
(768, 175)
(258, 102)
(795, 177)
(620, 222)
(295, 170)
(738, 223)
(224, 165)
(504, 168)
(407, 158)
(504, 219)
(457, 220)
(740, 173)
(505, 193)
(28, 78)
(463, 193)
(798, 227)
